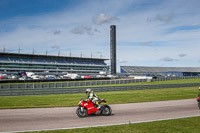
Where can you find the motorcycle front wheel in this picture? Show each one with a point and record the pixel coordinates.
(81, 113)
(106, 110)
(199, 105)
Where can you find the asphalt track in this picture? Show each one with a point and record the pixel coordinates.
(20, 120)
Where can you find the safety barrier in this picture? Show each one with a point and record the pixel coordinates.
(37, 90)
(86, 83)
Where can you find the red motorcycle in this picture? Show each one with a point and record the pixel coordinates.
(86, 108)
(198, 100)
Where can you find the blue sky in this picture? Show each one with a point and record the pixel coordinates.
(149, 32)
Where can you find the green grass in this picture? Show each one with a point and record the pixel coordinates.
(114, 97)
(184, 125)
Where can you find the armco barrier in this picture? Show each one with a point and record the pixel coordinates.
(69, 90)
(86, 83)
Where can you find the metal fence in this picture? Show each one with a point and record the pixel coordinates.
(86, 83)
(70, 90)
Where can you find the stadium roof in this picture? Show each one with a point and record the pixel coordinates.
(145, 69)
(50, 56)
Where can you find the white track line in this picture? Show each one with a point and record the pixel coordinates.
(105, 124)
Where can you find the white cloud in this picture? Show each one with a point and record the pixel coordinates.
(77, 30)
(103, 18)
(84, 29)
(182, 55)
(55, 47)
(164, 18)
(167, 59)
(122, 61)
(146, 43)
(56, 32)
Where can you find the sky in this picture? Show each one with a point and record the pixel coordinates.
(159, 33)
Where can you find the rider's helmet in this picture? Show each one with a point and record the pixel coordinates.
(199, 88)
(88, 91)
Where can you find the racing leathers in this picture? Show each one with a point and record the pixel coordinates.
(92, 96)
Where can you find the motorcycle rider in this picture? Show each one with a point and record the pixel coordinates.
(199, 92)
(92, 96)
(198, 99)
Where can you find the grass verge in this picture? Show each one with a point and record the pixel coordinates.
(184, 125)
(114, 97)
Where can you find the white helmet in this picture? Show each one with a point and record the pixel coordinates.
(88, 91)
(199, 88)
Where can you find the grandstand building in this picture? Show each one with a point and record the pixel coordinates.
(161, 71)
(14, 62)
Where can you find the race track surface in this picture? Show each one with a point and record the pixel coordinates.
(13, 120)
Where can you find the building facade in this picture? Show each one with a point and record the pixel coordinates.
(14, 62)
(161, 71)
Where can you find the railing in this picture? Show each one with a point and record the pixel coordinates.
(88, 83)
(79, 87)
(47, 91)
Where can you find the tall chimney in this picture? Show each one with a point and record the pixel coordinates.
(113, 49)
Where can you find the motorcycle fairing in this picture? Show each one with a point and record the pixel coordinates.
(90, 107)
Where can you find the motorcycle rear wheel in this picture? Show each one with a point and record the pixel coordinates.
(81, 113)
(199, 105)
(106, 110)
